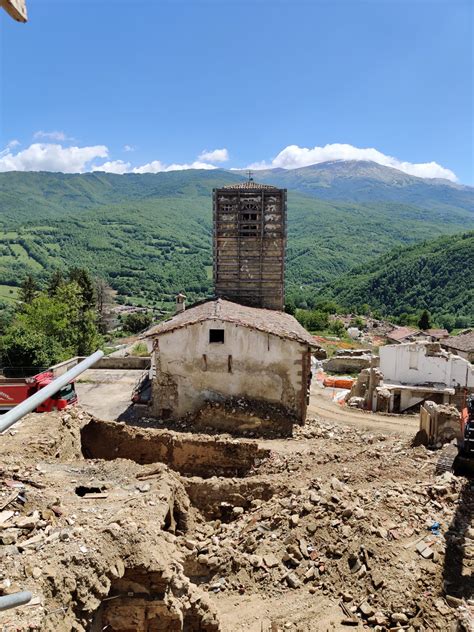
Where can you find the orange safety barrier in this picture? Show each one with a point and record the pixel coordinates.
(338, 382)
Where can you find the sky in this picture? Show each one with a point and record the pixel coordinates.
(154, 85)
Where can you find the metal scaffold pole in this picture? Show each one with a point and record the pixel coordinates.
(13, 415)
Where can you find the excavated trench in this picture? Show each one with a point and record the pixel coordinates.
(187, 454)
(144, 600)
(218, 476)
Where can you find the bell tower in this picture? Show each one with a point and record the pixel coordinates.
(249, 244)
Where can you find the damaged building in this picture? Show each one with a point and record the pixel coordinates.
(412, 373)
(237, 361)
(232, 366)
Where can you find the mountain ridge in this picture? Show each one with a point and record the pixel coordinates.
(149, 235)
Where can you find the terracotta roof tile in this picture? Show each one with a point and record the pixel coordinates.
(400, 333)
(248, 184)
(277, 323)
(461, 342)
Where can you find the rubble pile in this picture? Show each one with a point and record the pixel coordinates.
(333, 527)
(77, 534)
(379, 550)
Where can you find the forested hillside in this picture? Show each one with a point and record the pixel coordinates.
(437, 275)
(149, 235)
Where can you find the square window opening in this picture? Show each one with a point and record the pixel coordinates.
(216, 335)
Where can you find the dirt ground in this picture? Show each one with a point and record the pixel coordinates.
(134, 529)
(106, 393)
(321, 405)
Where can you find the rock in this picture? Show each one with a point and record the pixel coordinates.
(238, 511)
(292, 580)
(424, 550)
(256, 561)
(366, 609)
(336, 484)
(310, 573)
(304, 548)
(294, 520)
(36, 572)
(377, 580)
(399, 617)
(10, 549)
(359, 513)
(144, 487)
(421, 546)
(28, 522)
(379, 619)
(347, 512)
(270, 560)
(9, 537)
(31, 542)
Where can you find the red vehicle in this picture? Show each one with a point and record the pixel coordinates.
(14, 390)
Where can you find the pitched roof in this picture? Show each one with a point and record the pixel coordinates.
(249, 184)
(461, 342)
(437, 333)
(400, 333)
(277, 323)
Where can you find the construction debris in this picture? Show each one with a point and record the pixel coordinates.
(309, 537)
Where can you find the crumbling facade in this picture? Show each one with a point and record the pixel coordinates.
(249, 244)
(413, 373)
(254, 364)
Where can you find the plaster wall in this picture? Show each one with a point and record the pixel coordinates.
(414, 363)
(190, 370)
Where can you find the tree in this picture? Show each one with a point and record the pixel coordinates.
(50, 329)
(26, 351)
(84, 280)
(137, 321)
(425, 320)
(55, 282)
(290, 307)
(105, 299)
(337, 327)
(317, 320)
(28, 290)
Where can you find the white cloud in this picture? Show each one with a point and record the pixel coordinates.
(156, 166)
(293, 156)
(51, 157)
(216, 155)
(57, 157)
(113, 166)
(128, 148)
(55, 135)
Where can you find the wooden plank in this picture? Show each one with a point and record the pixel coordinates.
(16, 9)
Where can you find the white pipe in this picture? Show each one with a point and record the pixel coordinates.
(13, 415)
(14, 600)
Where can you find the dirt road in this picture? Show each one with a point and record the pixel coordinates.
(321, 405)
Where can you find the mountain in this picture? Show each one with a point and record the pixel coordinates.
(150, 235)
(437, 275)
(366, 181)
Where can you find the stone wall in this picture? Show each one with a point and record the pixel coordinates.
(191, 371)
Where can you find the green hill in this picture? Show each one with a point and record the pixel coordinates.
(150, 235)
(437, 275)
